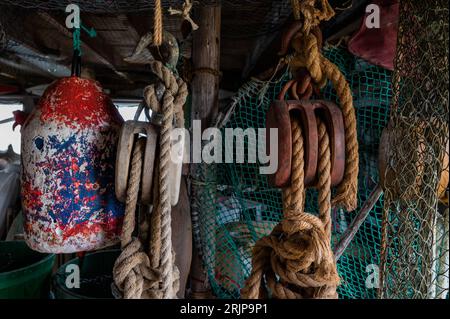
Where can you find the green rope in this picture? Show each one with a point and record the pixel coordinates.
(77, 34)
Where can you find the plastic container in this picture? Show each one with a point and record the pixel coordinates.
(24, 273)
(95, 273)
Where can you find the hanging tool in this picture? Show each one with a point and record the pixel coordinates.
(296, 259)
(154, 273)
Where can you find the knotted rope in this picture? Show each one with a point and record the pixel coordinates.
(185, 13)
(174, 97)
(132, 273)
(153, 275)
(321, 69)
(296, 260)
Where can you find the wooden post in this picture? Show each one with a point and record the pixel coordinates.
(206, 60)
(205, 102)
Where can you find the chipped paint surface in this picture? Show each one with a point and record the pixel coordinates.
(68, 156)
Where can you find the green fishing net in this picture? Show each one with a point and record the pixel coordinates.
(238, 206)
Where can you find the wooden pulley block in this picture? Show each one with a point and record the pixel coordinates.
(307, 111)
(128, 132)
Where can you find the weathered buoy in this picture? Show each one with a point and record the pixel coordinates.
(68, 155)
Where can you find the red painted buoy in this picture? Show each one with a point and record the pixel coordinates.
(68, 155)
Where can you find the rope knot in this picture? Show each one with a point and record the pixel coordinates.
(173, 93)
(135, 274)
(295, 222)
(185, 13)
(132, 272)
(312, 12)
(296, 265)
(307, 54)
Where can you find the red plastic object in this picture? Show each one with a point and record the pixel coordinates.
(8, 89)
(378, 45)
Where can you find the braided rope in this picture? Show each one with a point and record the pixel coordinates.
(157, 24)
(324, 173)
(295, 9)
(173, 100)
(321, 70)
(296, 260)
(154, 275)
(185, 13)
(347, 191)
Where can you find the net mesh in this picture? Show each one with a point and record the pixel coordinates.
(239, 207)
(415, 257)
(3, 40)
(240, 18)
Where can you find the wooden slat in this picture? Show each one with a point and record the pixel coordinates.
(97, 46)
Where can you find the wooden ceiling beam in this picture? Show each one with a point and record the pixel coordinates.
(262, 42)
(97, 46)
(50, 65)
(142, 24)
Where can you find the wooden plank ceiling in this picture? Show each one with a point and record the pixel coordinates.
(40, 46)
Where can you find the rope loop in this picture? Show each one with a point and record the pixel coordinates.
(185, 13)
(308, 55)
(138, 274)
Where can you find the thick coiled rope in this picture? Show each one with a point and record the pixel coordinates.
(296, 260)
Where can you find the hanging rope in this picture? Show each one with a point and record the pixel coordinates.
(296, 9)
(136, 273)
(158, 24)
(296, 260)
(312, 11)
(174, 97)
(321, 70)
(132, 273)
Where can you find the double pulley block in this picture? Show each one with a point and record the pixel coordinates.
(308, 111)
